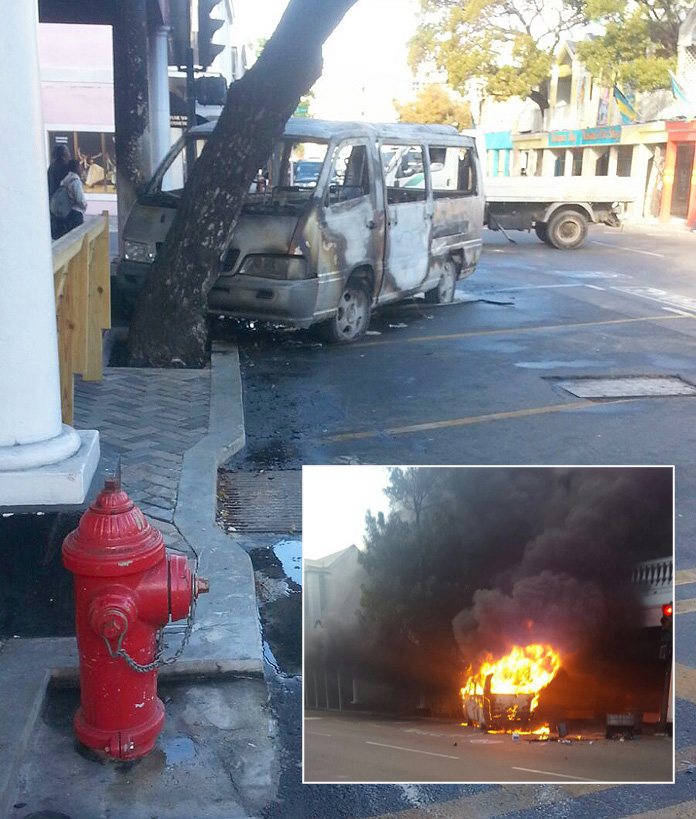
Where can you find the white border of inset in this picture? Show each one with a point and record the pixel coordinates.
(559, 779)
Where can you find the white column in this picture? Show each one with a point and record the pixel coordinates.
(159, 96)
(31, 432)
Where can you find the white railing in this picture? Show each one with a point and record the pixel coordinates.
(654, 576)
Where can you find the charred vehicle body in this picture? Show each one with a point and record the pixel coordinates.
(387, 211)
(490, 711)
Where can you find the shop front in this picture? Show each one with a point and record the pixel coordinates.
(679, 180)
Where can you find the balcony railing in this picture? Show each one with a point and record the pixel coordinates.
(83, 304)
(654, 576)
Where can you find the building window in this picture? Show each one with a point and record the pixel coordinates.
(577, 162)
(96, 153)
(563, 90)
(602, 166)
(559, 164)
(624, 157)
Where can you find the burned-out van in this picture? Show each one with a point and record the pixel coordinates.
(348, 216)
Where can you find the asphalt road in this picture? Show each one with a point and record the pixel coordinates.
(360, 748)
(476, 383)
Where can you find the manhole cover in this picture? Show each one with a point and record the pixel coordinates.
(628, 387)
(260, 501)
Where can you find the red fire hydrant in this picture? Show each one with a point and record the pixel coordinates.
(127, 587)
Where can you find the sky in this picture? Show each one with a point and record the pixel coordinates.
(334, 502)
(364, 60)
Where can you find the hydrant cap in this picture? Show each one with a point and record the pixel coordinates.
(112, 538)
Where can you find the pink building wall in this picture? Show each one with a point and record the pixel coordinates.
(77, 87)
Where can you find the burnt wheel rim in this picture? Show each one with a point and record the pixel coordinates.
(352, 313)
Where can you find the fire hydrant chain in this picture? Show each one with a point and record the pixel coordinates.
(157, 662)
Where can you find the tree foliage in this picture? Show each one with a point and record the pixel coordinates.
(435, 105)
(508, 45)
(639, 43)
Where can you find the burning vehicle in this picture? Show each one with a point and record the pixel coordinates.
(503, 695)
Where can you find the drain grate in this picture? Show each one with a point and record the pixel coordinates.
(627, 387)
(260, 501)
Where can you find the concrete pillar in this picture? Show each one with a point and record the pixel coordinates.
(568, 170)
(32, 435)
(613, 160)
(159, 96)
(589, 162)
(668, 181)
(131, 103)
(639, 176)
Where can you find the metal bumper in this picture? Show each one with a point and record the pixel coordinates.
(132, 276)
(284, 302)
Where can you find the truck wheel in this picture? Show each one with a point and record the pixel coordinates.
(542, 231)
(567, 229)
(352, 317)
(444, 292)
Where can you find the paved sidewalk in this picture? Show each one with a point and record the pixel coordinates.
(150, 418)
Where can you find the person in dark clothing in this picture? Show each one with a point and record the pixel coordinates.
(57, 171)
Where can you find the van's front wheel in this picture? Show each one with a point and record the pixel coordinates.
(352, 317)
(444, 292)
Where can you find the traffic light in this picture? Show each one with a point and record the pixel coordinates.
(181, 36)
(207, 26)
(666, 638)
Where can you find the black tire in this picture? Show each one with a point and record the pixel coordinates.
(352, 317)
(444, 292)
(567, 229)
(542, 231)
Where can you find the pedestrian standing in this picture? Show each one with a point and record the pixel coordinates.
(57, 171)
(78, 204)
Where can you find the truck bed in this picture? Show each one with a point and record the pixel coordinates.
(559, 189)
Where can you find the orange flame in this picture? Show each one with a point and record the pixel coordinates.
(525, 670)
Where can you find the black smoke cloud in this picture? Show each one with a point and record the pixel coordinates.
(562, 577)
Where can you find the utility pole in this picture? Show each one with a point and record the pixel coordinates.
(190, 100)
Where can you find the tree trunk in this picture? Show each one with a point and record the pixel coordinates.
(169, 327)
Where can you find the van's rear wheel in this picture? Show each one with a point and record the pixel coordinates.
(353, 315)
(567, 229)
(444, 292)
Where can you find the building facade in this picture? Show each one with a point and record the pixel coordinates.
(588, 129)
(77, 91)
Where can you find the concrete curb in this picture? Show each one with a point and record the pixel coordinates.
(227, 637)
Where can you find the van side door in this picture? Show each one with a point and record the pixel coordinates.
(350, 219)
(409, 210)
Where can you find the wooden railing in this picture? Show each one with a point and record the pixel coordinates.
(81, 279)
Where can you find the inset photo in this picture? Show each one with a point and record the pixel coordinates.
(488, 624)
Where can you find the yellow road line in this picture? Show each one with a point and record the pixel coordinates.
(516, 330)
(684, 606)
(685, 682)
(681, 578)
(473, 419)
